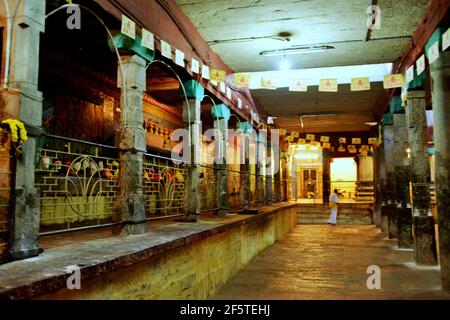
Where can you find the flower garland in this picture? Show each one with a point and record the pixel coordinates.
(18, 131)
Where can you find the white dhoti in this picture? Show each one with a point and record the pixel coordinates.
(333, 216)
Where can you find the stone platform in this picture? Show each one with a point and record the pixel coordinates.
(172, 261)
(348, 213)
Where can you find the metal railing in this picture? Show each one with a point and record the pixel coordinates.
(78, 184)
(164, 187)
(6, 159)
(234, 189)
(208, 188)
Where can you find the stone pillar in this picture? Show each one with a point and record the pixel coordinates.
(245, 171)
(423, 222)
(278, 184)
(388, 209)
(440, 76)
(131, 142)
(401, 163)
(326, 180)
(380, 187)
(269, 189)
(260, 188)
(221, 125)
(22, 100)
(192, 120)
(284, 177)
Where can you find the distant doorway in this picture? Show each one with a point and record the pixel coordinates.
(343, 175)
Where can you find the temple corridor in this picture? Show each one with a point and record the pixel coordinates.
(322, 262)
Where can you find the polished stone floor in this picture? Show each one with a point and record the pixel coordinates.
(326, 262)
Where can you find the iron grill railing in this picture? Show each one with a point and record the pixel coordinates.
(164, 187)
(78, 184)
(234, 189)
(6, 160)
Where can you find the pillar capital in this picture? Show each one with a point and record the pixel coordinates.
(134, 74)
(193, 90)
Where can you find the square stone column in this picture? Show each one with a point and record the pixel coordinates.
(192, 120)
(423, 222)
(261, 142)
(245, 170)
(269, 177)
(440, 80)
(284, 177)
(326, 180)
(401, 167)
(22, 100)
(388, 208)
(131, 142)
(221, 125)
(380, 187)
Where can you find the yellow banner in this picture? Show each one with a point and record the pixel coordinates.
(295, 134)
(310, 137)
(268, 84)
(217, 75)
(341, 149)
(360, 84)
(301, 141)
(356, 140)
(242, 79)
(373, 140)
(299, 86)
(324, 139)
(352, 149)
(342, 140)
(393, 81)
(315, 143)
(282, 132)
(326, 145)
(289, 138)
(328, 85)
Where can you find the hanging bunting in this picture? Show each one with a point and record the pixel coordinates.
(148, 40)
(343, 140)
(393, 81)
(128, 27)
(364, 148)
(420, 65)
(195, 66)
(326, 145)
(310, 137)
(301, 141)
(352, 149)
(409, 74)
(446, 39)
(328, 85)
(222, 87)
(179, 58)
(205, 72)
(324, 139)
(217, 75)
(289, 138)
(239, 103)
(341, 148)
(242, 79)
(166, 50)
(373, 140)
(268, 84)
(356, 140)
(360, 84)
(433, 52)
(282, 132)
(295, 134)
(229, 93)
(315, 143)
(299, 86)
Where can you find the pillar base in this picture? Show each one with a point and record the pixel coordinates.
(392, 220)
(135, 214)
(25, 225)
(424, 240)
(384, 218)
(404, 220)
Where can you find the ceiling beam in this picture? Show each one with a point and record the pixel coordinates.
(428, 24)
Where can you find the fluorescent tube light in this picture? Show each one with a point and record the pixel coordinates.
(296, 50)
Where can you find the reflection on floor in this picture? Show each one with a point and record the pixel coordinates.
(326, 262)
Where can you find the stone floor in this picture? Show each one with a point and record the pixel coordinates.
(326, 262)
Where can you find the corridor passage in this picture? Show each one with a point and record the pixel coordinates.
(326, 262)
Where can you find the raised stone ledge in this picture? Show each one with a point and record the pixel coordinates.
(47, 273)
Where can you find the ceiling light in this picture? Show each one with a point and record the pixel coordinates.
(296, 50)
(285, 65)
(372, 124)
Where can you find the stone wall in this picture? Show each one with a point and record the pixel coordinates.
(194, 271)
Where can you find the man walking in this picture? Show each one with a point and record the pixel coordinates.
(334, 201)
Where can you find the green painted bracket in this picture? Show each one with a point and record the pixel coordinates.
(193, 90)
(128, 46)
(245, 126)
(221, 111)
(418, 82)
(396, 105)
(388, 119)
(436, 36)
